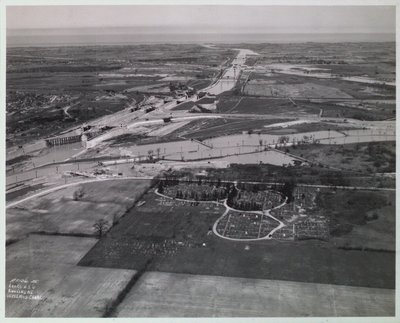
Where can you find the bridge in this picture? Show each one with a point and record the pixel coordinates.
(55, 141)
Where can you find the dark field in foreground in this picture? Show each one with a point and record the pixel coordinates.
(177, 237)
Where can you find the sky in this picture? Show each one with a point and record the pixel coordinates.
(206, 19)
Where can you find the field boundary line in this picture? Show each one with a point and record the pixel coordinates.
(56, 188)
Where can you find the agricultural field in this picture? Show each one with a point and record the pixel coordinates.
(208, 128)
(218, 296)
(270, 106)
(281, 83)
(359, 110)
(301, 90)
(356, 59)
(57, 286)
(74, 209)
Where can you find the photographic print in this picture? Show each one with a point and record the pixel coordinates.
(200, 161)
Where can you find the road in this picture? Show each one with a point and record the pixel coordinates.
(268, 236)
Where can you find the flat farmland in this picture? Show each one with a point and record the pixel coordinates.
(59, 212)
(64, 288)
(286, 83)
(381, 71)
(176, 237)
(351, 109)
(258, 105)
(301, 90)
(159, 294)
(301, 261)
(201, 129)
(77, 81)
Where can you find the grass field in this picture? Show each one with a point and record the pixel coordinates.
(184, 106)
(300, 90)
(59, 212)
(351, 110)
(259, 105)
(360, 219)
(180, 295)
(65, 290)
(373, 157)
(378, 234)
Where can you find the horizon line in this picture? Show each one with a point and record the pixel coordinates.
(207, 32)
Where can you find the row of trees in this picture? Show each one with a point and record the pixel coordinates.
(212, 194)
(171, 180)
(250, 187)
(247, 197)
(251, 201)
(288, 189)
(192, 191)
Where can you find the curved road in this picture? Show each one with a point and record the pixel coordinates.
(227, 209)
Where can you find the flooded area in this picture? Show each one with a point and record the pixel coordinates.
(57, 153)
(308, 71)
(47, 171)
(264, 157)
(243, 144)
(47, 155)
(242, 148)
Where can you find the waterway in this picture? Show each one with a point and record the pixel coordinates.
(231, 74)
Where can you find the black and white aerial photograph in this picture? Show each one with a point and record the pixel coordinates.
(199, 161)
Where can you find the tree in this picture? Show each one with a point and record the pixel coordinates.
(218, 182)
(283, 140)
(78, 194)
(150, 154)
(288, 189)
(100, 227)
(160, 187)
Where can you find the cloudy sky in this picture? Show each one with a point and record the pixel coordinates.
(208, 19)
